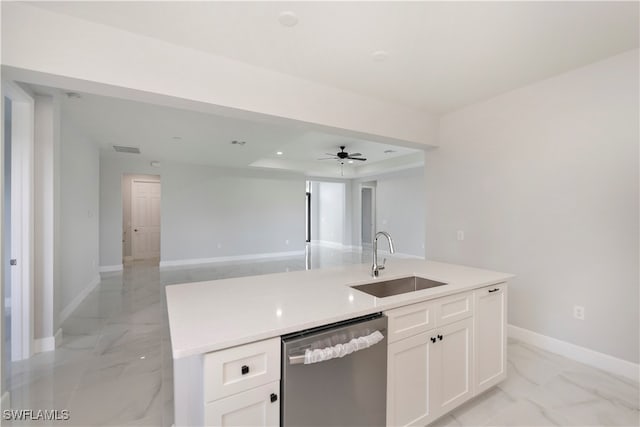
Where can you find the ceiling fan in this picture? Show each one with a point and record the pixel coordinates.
(343, 155)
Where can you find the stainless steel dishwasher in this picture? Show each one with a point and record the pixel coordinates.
(342, 391)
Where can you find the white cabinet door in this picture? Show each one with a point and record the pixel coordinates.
(255, 407)
(490, 338)
(408, 380)
(452, 362)
(410, 320)
(241, 368)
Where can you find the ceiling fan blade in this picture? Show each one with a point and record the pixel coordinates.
(355, 154)
(329, 158)
(330, 154)
(362, 159)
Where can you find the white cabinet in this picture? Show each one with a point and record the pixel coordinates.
(256, 407)
(409, 370)
(443, 352)
(410, 320)
(429, 374)
(452, 367)
(242, 385)
(490, 336)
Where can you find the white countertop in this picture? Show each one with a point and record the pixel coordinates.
(217, 314)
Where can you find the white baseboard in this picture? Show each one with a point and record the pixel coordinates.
(581, 354)
(398, 255)
(183, 262)
(66, 312)
(328, 244)
(58, 337)
(44, 344)
(335, 245)
(5, 401)
(110, 268)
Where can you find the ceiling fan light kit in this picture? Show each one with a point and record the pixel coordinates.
(342, 155)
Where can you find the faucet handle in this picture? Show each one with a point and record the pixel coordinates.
(384, 261)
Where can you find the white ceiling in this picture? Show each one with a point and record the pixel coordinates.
(206, 138)
(442, 55)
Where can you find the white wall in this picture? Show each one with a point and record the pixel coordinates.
(47, 215)
(400, 209)
(215, 212)
(55, 55)
(329, 215)
(544, 182)
(400, 204)
(245, 212)
(79, 193)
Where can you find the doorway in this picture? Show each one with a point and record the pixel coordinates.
(141, 204)
(368, 209)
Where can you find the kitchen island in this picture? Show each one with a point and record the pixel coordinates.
(206, 318)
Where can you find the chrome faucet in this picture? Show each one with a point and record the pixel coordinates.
(375, 268)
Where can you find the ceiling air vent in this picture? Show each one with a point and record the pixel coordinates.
(122, 149)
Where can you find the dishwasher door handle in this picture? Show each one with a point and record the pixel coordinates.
(296, 360)
(336, 351)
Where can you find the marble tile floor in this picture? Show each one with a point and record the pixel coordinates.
(545, 389)
(114, 364)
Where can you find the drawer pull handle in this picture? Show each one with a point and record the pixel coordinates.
(494, 290)
(274, 397)
(245, 369)
(433, 339)
(440, 337)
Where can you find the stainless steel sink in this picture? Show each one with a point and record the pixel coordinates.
(403, 285)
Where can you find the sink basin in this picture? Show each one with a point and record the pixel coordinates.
(391, 287)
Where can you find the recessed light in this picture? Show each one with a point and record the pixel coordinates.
(73, 95)
(380, 55)
(288, 18)
(155, 164)
(350, 162)
(234, 142)
(279, 153)
(389, 151)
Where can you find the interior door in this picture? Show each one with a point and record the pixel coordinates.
(145, 219)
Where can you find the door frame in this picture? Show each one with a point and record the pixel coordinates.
(148, 180)
(308, 218)
(22, 218)
(373, 213)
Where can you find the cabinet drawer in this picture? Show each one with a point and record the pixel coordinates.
(231, 371)
(453, 308)
(410, 320)
(257, 407)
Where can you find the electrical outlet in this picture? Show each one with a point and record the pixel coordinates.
(578, 312)
(286, 242)
(219, 245)
(460, 235)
